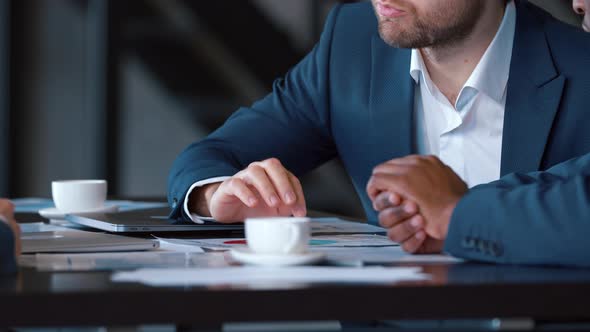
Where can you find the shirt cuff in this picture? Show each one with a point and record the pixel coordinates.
(193, 216)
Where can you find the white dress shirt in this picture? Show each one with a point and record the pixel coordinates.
(195, 217)
(466, 136)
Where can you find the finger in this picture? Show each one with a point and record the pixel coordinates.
(407, 161)
(405, 229)
(395, 199)
(406, 165)
(381, 201)
(257, 177)
(395, 215)
(414, 243)
(380, 182)
(414, 160)
(280, 179)
(300, 208)
(392, 168)
(386, 200)
(372, 190)
(238, 188)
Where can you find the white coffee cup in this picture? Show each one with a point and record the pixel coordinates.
(278, 235)
(79, 195)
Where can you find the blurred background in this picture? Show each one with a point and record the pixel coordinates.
(116, 89)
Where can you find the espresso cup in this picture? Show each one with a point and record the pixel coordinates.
(79, 195)
(278, 235)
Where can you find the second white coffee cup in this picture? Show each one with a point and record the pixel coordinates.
(278, 235)
(79, 195)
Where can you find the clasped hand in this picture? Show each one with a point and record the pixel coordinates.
(415, 197)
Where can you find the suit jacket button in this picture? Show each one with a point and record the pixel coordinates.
(497, 250)
(466, 242)
(487, 246)
(482, 246)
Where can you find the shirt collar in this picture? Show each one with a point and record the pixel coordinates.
(419, 75)
(490, 76)
(416, 65)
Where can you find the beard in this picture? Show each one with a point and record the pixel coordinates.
(448, 23)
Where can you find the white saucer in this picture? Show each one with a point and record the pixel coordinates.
(53, 213)
(246, 256)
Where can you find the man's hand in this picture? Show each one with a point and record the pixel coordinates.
(7, 216)
(404, 223)
(434, 188)
(263, 189)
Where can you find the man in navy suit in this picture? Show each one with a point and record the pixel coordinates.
(9, 238)
(490, 87)
(551, 208)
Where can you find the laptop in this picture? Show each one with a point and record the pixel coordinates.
(148, 220)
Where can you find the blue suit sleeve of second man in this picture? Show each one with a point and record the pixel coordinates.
(536, 218)
(7, 260)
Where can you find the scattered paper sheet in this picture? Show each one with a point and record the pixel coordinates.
(360, 256)
(178, 245)
(336, 225)
(342, 241)
(124, 261)
(351, 240)
(268, 276)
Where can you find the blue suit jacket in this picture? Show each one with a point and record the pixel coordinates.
(7, 262)
(352, 97)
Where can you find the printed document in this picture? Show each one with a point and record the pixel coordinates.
(269, 277)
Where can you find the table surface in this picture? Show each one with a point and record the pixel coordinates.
(454, 291)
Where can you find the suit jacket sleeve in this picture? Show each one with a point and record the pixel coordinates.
(7, 261)
(536, 218)
(291, 123)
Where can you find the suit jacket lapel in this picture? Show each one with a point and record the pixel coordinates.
(533, 94)
(391, 102)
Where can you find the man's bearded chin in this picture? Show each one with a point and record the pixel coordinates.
(396, 36)
(437, 30)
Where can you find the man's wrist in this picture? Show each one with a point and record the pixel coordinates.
(200, 198)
